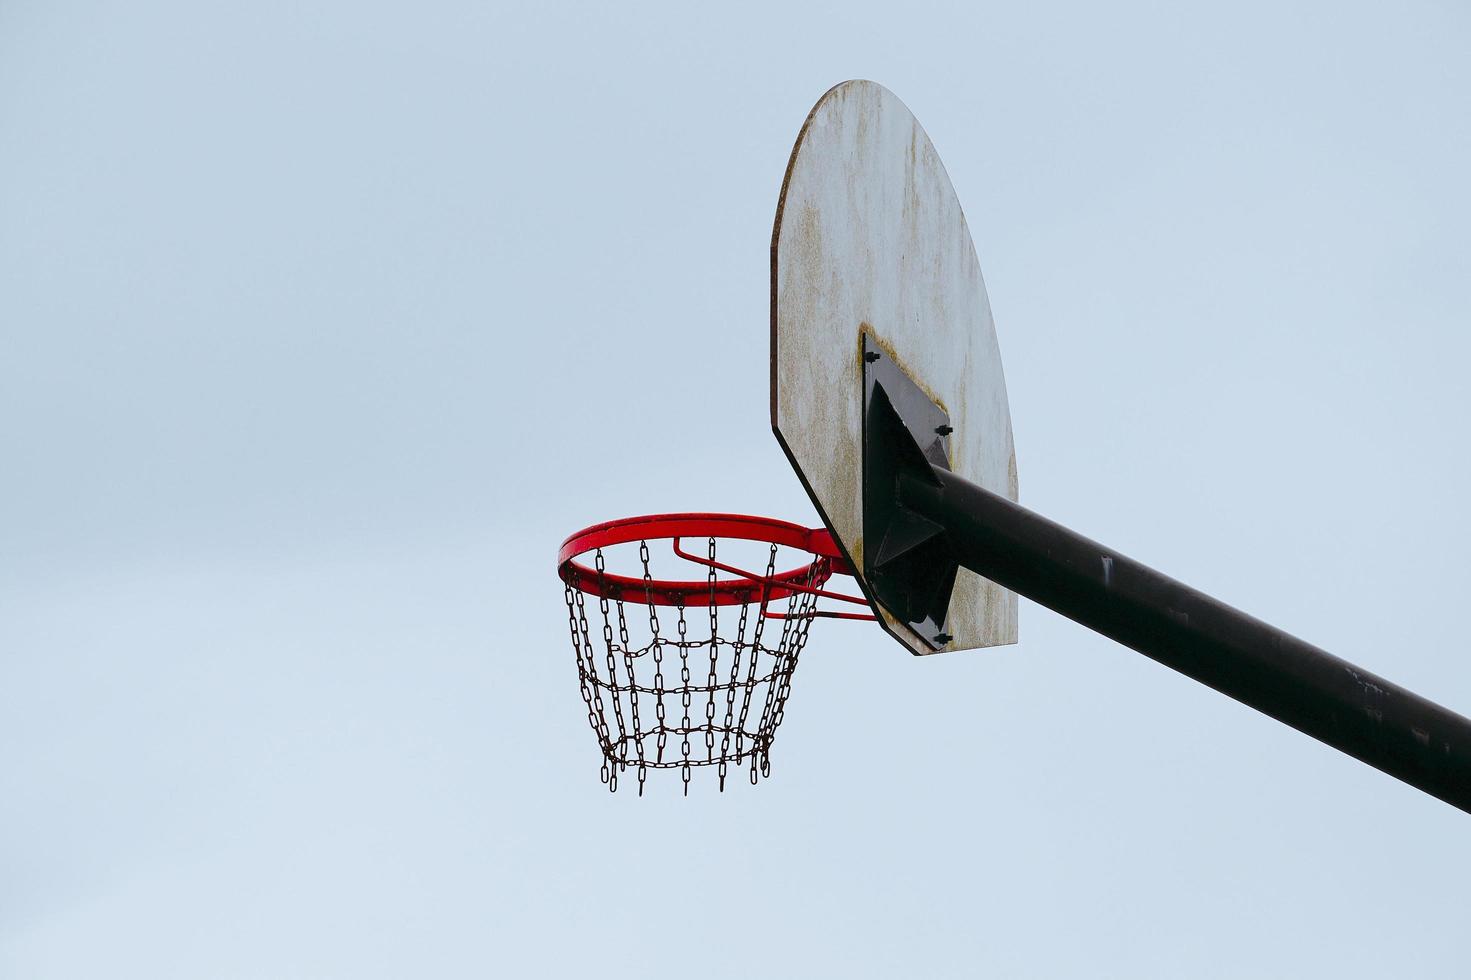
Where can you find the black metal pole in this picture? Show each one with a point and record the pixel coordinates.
(1346, 707)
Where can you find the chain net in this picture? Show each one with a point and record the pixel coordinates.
(666, 689)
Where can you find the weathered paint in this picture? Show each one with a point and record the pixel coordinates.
(870, 237)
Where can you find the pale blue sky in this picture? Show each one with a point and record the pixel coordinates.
(324, 323)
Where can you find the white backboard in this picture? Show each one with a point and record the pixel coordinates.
(870, 237)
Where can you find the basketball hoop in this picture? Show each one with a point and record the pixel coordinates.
(889, 402)
(697, 697)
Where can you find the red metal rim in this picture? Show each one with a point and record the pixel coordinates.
(724, 592)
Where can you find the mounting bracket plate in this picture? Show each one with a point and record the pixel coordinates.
(908, 562)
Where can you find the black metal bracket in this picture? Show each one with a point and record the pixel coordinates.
(907, 560)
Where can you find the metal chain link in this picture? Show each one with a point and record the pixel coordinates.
(713, 679)
(684, 696)
(633, 697)
(577, 617)
(752, 668)
(612, 674)
(662, 728)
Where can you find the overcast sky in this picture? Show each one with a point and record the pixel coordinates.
(321, 325)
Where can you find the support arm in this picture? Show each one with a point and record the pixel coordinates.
(1342, 705)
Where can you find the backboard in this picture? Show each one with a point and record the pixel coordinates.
(871, 254)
